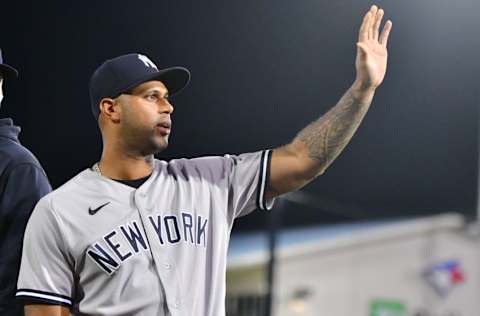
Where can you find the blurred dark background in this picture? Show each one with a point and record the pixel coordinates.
(261, 70)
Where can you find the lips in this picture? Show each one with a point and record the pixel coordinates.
(164, 127)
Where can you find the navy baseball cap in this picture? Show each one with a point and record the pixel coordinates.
(123, 73)
(6, 70)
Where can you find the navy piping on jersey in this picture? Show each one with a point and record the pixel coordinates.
(263, 179)
(42, 296)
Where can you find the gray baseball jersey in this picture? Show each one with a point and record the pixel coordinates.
(105, 248)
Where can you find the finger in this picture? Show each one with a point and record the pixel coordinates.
(368, 25)
(362, 33)
(373, 13)
(385, 33)
(376, 26)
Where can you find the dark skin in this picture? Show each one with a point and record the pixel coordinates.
(134, 126)
(46, 310)
(317, 145)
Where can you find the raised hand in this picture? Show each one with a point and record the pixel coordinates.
(372, 55)
(318, 144)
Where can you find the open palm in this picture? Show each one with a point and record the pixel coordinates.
(372, 55)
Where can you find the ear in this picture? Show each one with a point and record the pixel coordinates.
(110, 109)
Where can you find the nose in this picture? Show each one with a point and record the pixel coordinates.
(166, 107)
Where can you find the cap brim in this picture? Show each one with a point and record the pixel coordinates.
(174, 78)
(8, 71)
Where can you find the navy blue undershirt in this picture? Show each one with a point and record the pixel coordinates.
(136, 183)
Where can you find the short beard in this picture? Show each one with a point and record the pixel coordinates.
(143, 143)
(154, 148)
(147, 146)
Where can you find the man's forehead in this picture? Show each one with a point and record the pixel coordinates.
(150, 85)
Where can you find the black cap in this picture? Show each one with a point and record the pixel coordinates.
(123, 73)
(6, 70)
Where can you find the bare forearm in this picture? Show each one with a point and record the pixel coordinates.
(317, 145)
(325, 138)
(46, 310)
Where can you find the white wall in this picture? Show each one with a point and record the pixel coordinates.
(343, 276)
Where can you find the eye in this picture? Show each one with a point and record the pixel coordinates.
(151, 97)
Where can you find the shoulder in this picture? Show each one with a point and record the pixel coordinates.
(68, 190)
(210, 162)
(209, 167)
(214, 167)
(13, 155)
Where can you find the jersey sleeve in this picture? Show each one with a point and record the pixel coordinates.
(248, 182)
(46, 273)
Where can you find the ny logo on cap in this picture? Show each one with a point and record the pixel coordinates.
(147, 61)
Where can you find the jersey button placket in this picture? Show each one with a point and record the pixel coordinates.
(164, 266)
(140, 202)
(176, 304)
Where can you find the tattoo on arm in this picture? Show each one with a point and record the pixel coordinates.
(326, 137)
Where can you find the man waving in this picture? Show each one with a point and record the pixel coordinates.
(133, 235)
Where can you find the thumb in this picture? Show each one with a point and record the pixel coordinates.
(362, 49)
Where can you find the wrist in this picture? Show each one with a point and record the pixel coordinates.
(362, 92)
